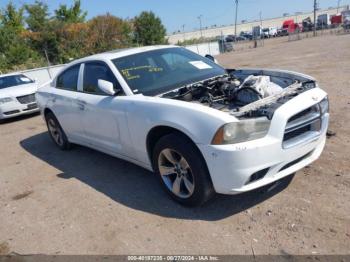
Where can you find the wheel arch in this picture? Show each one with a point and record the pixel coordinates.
(48, 110)
(158, 132)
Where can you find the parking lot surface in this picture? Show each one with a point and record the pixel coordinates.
(85, 202)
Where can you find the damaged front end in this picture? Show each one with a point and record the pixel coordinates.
(246, 93)
(281, 87)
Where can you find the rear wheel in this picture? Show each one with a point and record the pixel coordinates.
(182, 170)
(56, 132)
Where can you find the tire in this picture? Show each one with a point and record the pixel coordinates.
(182, 170)
(56, 132)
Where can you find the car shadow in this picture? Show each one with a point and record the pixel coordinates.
(135, 187)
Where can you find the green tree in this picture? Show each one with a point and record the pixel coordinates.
(149, 29)
(37, 16)
(73, 40)
(47, 40)
(66, 35)
(73, 14)
(107, 32)
(12, 18)
(15, 51)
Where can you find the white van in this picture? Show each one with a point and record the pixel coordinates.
(269, 32)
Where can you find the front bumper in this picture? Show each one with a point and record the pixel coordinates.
(232, 167)
(15, 108)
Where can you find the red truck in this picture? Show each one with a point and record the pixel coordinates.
(289, 27)
(343, 18)
(336, 20)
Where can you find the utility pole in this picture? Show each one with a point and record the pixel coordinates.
(48, 63)
(315, 22)
(236, 19)
(260, 13)
(200, 24)
(338, 6)
(261, 28)
(183, 31)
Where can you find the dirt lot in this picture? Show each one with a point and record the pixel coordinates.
(85, 202)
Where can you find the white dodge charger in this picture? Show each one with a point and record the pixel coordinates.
(201, 128)
(17, 95)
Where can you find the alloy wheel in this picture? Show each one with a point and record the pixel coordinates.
(55, 131)
(176, 173)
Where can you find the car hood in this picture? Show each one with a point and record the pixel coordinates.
(20, 90)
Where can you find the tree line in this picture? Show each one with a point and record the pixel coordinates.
(30, 36)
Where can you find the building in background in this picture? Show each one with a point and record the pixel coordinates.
(247, 26)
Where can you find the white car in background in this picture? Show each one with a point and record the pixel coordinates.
(201, 128)
(17, 95)
(270, 32)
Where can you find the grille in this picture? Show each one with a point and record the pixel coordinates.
(306, 122)
(26, 99)
(297, 132)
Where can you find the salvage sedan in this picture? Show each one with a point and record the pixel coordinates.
(17, 95)
(201, 128)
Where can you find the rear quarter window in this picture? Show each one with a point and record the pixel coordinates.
(68, 80)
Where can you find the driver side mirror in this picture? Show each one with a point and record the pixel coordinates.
(106, 87)
(210, 57)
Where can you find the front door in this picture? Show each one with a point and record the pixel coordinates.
(101, 113)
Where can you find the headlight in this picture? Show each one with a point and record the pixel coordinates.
(5, 100)
(310, 85)
(242, 131)
(324, 104)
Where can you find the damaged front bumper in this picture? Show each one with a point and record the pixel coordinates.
(249, 165)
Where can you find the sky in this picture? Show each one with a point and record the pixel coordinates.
(179, 14)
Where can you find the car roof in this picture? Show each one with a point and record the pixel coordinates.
(110, 55)
(12, 74)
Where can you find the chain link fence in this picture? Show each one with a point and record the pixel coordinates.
(340, 29)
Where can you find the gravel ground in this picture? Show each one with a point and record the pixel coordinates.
(85, 202)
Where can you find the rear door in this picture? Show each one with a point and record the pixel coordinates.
(102, 115)
(63, 101)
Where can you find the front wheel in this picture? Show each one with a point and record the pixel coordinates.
(182, 170)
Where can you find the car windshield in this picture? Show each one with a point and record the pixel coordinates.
(14, 80)
(160, 71)
(266, 30)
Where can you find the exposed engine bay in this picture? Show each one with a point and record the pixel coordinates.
(245, 93)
